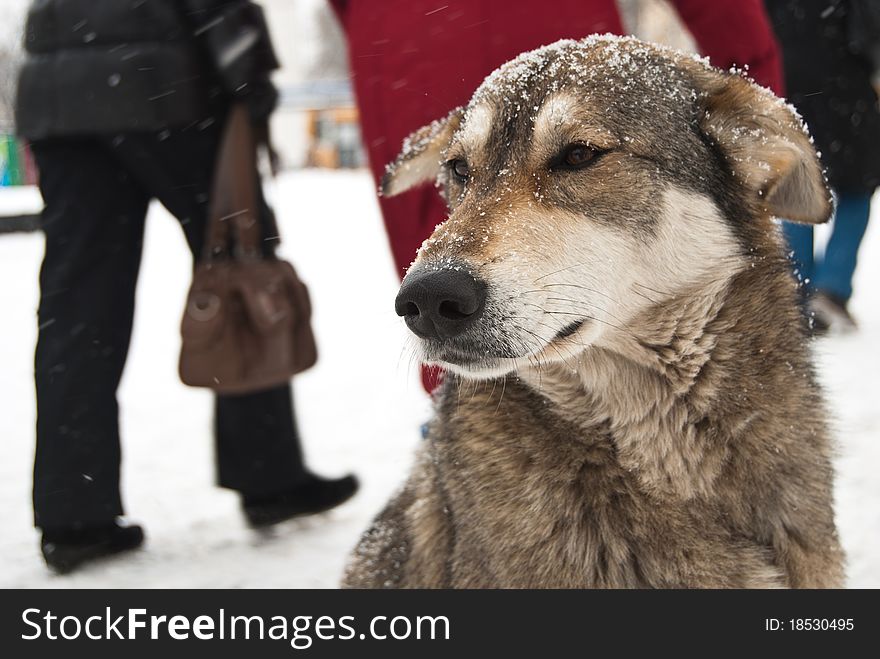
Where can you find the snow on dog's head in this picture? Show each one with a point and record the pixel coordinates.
(588, 181)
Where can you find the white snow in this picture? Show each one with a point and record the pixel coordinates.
(20, 200)
(360, 408)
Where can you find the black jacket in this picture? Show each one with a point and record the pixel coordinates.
(109, 66)
(828, 67)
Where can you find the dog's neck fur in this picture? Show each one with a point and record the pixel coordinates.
(656, 389)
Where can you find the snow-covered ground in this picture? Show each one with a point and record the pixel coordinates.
(360, 408)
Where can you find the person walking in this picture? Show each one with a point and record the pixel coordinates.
(124, 102)
(830, 52)
(413, 61)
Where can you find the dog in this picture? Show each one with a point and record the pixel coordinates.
(629, 399)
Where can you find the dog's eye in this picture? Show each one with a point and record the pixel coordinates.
(459, 169)
(574, 156)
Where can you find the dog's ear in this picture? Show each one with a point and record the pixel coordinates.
(766, 144)
(419, 158)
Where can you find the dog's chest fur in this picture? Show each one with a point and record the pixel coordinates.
(559, 507)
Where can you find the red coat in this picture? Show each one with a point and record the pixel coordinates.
(415, 60)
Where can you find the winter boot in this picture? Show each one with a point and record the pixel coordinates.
(831, 311)
(67, 549)
(315, 495)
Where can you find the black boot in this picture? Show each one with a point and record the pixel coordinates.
(315, 495)
(67, 549)
(831, 312)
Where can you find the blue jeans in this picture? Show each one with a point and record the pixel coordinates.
(832, 273)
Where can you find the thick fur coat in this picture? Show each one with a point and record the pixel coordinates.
(633, 405)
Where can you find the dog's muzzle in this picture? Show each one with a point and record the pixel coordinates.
(440, 303)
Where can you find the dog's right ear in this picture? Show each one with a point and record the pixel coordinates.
(765, 144)
(420, 156)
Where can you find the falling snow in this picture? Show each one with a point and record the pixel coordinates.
(360, 408)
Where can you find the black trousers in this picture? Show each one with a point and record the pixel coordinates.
(96, 193)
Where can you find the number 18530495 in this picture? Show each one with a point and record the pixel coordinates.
(809, 624)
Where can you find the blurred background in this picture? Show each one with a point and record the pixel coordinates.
(361, 408)
(316, 124)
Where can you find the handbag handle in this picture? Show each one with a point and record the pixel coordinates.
(234, 209)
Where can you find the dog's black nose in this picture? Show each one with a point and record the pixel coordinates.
(440, 304)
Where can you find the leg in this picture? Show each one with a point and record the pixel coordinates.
(93, 222)
(258, 447)
(800, 243)
(380, 558)
(410, 543)
(835, 272)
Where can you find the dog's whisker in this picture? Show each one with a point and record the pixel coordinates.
(501, 398)
(494, 385)
(556, 272)
(575, 303)
(586, 288)
(640, 294)
(551, 345)
(593, 318)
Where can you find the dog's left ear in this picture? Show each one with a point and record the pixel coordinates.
(419, 159)
(766, 145)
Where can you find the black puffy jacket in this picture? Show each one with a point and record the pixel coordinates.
(108, 66)
(828, 80)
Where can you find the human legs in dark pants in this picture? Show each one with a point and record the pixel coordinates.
(93, 222)
(96, 194)
(258, 450)
(828, 280)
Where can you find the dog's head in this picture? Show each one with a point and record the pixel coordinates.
(587, 181)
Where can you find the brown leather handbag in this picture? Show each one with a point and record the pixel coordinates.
(246, 326)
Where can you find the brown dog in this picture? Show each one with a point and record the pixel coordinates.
(630, 400)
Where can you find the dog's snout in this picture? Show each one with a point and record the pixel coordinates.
(440, 304)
